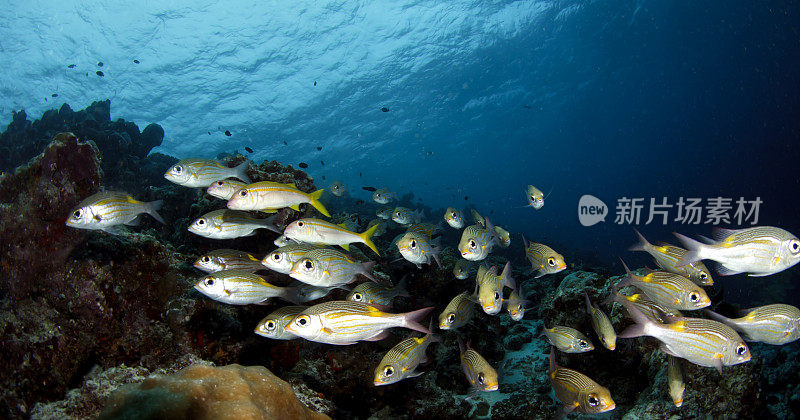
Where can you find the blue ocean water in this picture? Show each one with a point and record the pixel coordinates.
(618, 99)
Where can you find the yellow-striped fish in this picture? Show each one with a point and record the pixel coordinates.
(379, 294)
(667, 257)
(428, 229)
(454, 218)
(203, 172)
(568, 340)
(675, 380)
(535, 197)
(515, 305)
(601, 324)
(477, 218)
(383, 196)
(657, 313)
(239, 287)
(107, 210)
(419, 249)
(271, 196)
(458, 312)
(404, 216)
(228, 259)
(283, 241)
(543, 259)
(384, 213)
(477, 242)
(703, 342)
(490, 287)
(577, 391)
(282, 259)
(315, 231)
(225, 188)
(481, 376)
(344, 322)
(504, 238)
(328, 267)
(668, 289)
(402, 360)
(272, 326)
(759, 251)
(776, 324)
(229, 224)
(338, 189)
(461, 269)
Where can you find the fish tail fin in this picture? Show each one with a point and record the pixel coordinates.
(240, 171)
(152, 208)
(506, 274)
(431, 326)
(553, 365)
(524, 241)
(314, 199)
(400, 289)
(589, 306)
(366, 237)
(627, 280)
(411, 319)
(642, 245)
(693, 247)
(269, 223)
(717, 317)
(641, 322)
(366, 270)
(292, 294)
(461, 347)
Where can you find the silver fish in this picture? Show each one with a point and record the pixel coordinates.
(203, 172)
(701, 341)
(229, 224)
(315, 231)
(515, 305)
(272, 326)
(577, 391)
(283, 241)
(282, 259)
(383, 196)
(454, 218)
(490, 287)
(338, 189)
(568, 340)
(378, 294)
(461, 269)
(271, 196)
(657, 313)
(344, 322)
(667, 257)
(535, 197)
(404, 216)
(307, 293)
(668, 289)
(477, 242)
(402, 360)
(384, 213)
(458, 312)
(419, 249)
(107, 210)
(328, 267)
(775, 324)
(227, 259)
(544, 260)
(238, 287)
(225, 188)
(759, 251)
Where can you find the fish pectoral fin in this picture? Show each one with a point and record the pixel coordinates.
(326, 330)
(98, 217)
(718, 363)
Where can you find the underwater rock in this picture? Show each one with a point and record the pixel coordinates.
(206, 392)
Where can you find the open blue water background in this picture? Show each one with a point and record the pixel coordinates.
(610, 98)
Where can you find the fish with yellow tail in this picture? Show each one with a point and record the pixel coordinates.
(454, 218)
(201, 173)
(338, 189)
(668, 289)
(544, 260)
(675, 380)
(344, 322)
(601, 324)
(225, 188)
(107, 211)
(535, 197)
(377, 293)
(480, 374)
(577, 392)
(776, 324)
(419, 249)
(490, 287)
(667, 257)
(383, 196)
(328, 267)
(402, 360)
(758, 251)
(703, 342)
(477, 242)
(227, 259)
(272, 326)
(271, 196)
(229, 224)
(568, 340)
(316, 231)
(239, 287)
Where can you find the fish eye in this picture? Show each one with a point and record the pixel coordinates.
(303, 320)
(201, 222)
(308, 264)
(398, 214)
(472, 244)
(388, 371)
(77, 214)
(703, 276)
(358, 297)
(451, 318)
(794, 246)
(583, 344)
(413, 244)
(209, 282)
(741, 350)
(178, 168)
(481, 378)
(496, 295)
(220, 183)
(593, 400)
(551, 262)
(243, 193)
(205, 258)
(270, 325)
(300, 224)
(694, 297)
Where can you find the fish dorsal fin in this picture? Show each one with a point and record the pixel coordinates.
(722, 235)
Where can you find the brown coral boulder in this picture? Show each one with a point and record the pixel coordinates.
(207, 392)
